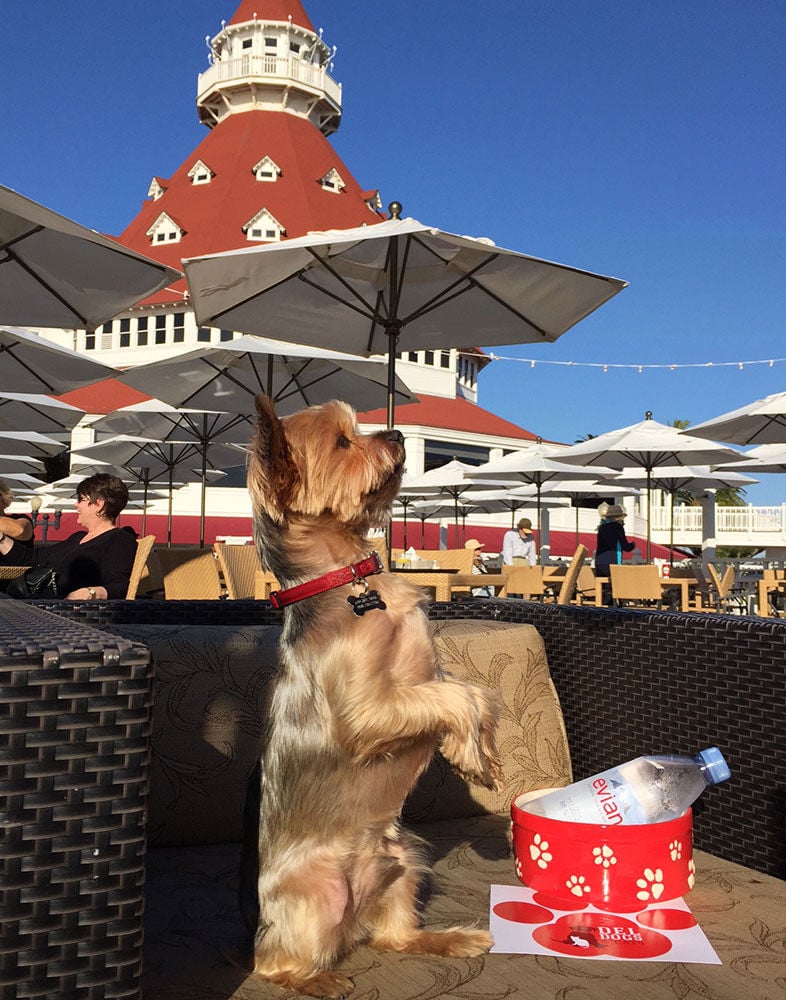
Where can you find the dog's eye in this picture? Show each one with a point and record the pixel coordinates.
(342, 441)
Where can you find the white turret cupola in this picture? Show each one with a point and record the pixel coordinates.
(269, 58)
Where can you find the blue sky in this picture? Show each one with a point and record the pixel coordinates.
(644, 141)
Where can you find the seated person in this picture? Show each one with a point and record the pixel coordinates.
(95, 563)
(16, 533)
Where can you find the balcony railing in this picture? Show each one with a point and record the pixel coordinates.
(745, 520)
(287, 69)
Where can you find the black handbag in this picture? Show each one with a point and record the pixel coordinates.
(38, 582)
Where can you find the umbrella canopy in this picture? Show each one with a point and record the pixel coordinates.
(23, 442)
(10, 464)
(764, 458)
(761, 422)
(205, 459)
(647, 446)
(394, 286)
(56, 273)
(671, 478)
(230, 376)
(21, 411)
(451, 480)
(32, 364)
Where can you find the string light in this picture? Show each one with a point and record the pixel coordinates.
(640, 368)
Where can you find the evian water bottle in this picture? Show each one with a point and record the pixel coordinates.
(644, 790)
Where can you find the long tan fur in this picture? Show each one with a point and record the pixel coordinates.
(359, 708)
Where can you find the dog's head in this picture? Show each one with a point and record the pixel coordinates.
(317, 463)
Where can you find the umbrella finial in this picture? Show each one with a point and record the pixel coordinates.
(395, 208)
(648, 415)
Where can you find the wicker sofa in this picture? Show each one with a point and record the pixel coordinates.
(608, 684)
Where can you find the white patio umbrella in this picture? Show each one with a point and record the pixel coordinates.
(152, 458)
(230, 376)
(763, 458)
(56, 273)
(647, 445)
(21, 411)
(10, 464)
(394, 286)
(23, 442)
(534, 466)
(31, 363)
(451, 480)
(577, 490)
(761, 422)
(672, 478)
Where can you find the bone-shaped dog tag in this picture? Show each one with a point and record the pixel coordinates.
(368, 601)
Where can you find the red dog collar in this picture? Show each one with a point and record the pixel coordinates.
(355, 573)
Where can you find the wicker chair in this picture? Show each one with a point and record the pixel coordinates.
(568, 588)
(190, 574)
(636, 585)
(144, 547)
(238, 565)
(525, 580)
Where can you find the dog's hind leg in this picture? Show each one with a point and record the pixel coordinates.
(302, 934)
(395, 923)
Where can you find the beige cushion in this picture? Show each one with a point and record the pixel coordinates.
(211, 690)
(531, 736)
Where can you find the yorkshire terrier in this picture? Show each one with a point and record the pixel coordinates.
(359, 708)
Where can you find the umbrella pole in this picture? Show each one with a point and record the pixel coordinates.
(577, 522)
(171, 498)
(649, 515)
(392, 332)
(671, 531)
(146, 481)
(203, 497)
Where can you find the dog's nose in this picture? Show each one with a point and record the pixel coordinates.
(394, 436)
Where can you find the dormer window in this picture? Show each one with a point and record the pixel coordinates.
(200, 173)
(266, 170)
(373, 200)
(332, 181)
(264, 228)
(247, 43)
(156, 189)
(165, 230)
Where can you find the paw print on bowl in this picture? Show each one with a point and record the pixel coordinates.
(576, 884)
(691, 873)
(604, 856)
(539, 851)
(675, 850)
(650, 885)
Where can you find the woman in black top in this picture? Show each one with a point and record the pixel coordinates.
(16, 533)
(95, 563)
(611, 540)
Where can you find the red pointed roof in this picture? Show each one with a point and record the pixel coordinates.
(450, 414)
(212, 215)
(272, 10)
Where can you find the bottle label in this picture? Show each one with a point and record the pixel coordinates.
(605, 799)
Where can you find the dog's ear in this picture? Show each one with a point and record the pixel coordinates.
(272, 475)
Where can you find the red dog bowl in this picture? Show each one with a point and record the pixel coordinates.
(614, 867)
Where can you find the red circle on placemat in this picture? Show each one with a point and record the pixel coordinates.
(599, 934)
(557, 903)
(522, 913)
(667, 920)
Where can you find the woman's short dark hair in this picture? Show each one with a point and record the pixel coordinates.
(110, 489)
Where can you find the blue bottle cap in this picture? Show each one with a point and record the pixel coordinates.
(717, 769)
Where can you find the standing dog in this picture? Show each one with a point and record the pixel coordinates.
(359, 708)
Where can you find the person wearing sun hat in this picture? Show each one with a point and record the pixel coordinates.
(478, 566)
(611, 543)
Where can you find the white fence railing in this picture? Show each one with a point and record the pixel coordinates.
(746, 520)
(287, 68)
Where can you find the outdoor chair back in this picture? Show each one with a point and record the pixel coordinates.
(636, 584)
(264, 582)
(190, 574)
(238, 565)
(587, 588)
(524, 580)
(144, 547)
(568, 587)
(723, 588)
